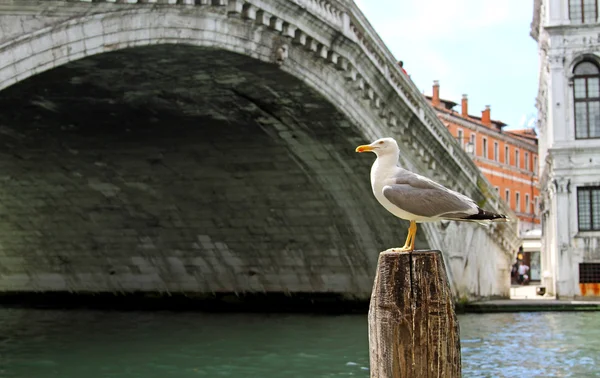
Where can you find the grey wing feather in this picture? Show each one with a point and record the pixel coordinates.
(423, 197)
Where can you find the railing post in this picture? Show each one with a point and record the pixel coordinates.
(346, 30)
(413, 329)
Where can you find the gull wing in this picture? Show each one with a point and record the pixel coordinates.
(426, 198)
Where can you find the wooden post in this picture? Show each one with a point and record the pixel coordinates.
(413, 330)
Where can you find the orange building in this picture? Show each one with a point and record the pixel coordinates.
(509, 159)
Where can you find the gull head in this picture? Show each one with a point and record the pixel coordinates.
(380, 147)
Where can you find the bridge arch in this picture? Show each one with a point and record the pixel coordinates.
(327, 242)
(332, 60)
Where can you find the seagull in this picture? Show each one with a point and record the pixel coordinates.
(416, 198)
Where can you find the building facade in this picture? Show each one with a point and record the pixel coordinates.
(568, 36)
(508, 159)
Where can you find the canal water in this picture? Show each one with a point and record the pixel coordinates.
(111, 344)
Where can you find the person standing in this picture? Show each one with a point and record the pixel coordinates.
(401, 64)
(523, 269)
(514, 272)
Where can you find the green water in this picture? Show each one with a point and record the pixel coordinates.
(91, 344)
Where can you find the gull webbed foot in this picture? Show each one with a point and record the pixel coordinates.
(409, 245)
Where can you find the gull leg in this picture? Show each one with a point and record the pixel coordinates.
(409, 245)
(413, 224)
(407, 242)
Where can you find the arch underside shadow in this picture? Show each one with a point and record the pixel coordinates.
(184, 168)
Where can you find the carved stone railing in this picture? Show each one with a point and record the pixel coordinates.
(326, 10)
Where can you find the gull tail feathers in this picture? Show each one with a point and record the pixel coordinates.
(485, 218)
(487, 215)
(486, 222)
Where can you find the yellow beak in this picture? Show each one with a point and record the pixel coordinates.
(364, 148)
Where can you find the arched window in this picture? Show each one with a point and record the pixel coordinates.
(583, 11)
(586, 90)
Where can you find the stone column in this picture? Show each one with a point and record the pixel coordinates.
(554, 12)
(563, 245)
(551, 242)
(557, 103)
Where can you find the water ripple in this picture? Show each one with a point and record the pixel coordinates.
(531, 344)
(79, 343)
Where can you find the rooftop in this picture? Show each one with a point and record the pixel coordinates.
(447, 106)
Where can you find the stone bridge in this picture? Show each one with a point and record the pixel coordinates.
(170, 146)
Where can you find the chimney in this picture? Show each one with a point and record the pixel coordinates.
(464, 106)
(435, 99)
(485, 116)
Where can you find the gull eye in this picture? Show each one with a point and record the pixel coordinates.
(381, 142)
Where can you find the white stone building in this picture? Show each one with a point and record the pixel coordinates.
(568, 36)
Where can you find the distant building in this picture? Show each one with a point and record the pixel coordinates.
(568, 36)
(508, 159)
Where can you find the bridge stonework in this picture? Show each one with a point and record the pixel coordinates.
(160, 146)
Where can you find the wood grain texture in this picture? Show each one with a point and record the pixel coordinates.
(413, 329)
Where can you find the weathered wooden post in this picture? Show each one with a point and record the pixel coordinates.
(413, 330)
